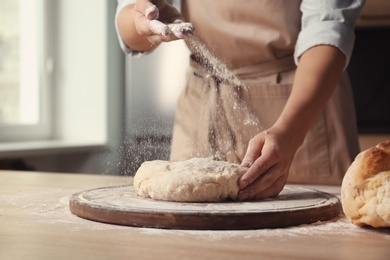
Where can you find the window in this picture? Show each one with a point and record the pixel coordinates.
(24, 71)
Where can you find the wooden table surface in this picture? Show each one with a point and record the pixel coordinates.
(35, 223)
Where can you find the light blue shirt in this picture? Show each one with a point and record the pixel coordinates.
(324, 22)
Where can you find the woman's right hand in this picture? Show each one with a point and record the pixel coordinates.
(159, 21)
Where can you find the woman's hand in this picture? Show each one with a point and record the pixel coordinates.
(269, 156)
(148, 23)
(160, 22)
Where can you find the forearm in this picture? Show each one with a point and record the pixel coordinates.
(317, 75)
(128, 31)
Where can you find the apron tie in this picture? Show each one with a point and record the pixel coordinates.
(266, 68)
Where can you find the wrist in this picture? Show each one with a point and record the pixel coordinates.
(293, 133)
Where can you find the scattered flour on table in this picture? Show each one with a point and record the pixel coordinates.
(339, 225)
(51, 206)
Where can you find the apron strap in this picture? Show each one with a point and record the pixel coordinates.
(249, 72)
(266, 68)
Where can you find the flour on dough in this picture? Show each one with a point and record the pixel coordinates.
(194, 180)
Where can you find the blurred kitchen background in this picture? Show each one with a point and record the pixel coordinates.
(70, 101)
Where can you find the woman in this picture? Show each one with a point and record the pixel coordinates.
(290, 55)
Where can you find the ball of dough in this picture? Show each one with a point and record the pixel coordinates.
(365, 191)
(194, 180)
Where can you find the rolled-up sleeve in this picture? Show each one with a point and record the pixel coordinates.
(328, 22)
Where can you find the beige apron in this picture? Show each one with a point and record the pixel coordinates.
(257, 40)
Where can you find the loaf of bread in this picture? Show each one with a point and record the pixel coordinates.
(365, 191)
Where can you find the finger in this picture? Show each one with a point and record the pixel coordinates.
(178, 21)
(253, 151)
(259, 184)
(148, 9)
(152, 12)
(144, 11)
(181, 29)
(263, 188)
(271, 191)
(158, 27)
(142, 23)
(258, 168)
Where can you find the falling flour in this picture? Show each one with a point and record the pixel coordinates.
(232, 121)
(215, 66)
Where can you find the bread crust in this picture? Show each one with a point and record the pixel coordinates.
(365, 190)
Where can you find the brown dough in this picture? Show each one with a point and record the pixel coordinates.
(194, 180)
(365, 191)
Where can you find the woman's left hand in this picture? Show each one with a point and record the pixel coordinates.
(269, 156)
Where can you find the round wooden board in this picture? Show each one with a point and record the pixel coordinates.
(119, 205)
